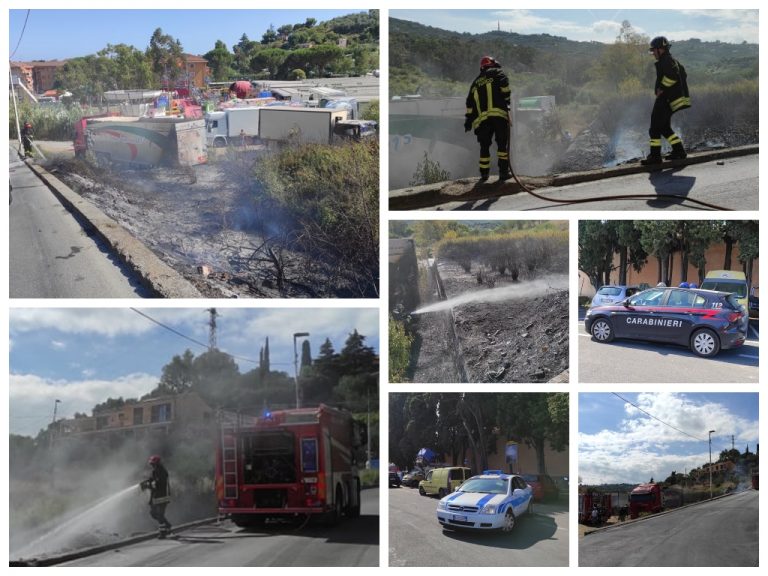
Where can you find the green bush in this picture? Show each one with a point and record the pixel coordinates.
(400, 343)
(49, 122)
(369, 478)
(329, 197)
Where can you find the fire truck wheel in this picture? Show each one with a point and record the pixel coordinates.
(338, 508)
(354, 509)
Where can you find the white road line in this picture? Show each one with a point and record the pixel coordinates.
(749, 356)
(757, 335)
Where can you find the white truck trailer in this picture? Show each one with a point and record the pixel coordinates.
(229, 126)
(302, 125)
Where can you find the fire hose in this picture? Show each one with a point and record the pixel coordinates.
(597, 198)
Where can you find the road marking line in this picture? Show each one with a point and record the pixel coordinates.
(757, 334)
(749, 356)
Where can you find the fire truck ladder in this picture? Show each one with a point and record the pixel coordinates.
(229, 459)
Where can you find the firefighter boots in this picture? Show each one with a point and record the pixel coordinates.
(653, 158)
(678, 152)
(484, 175)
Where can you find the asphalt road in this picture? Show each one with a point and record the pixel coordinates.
(636, 361)
(723, 532)
(51, 256)
(352, 542)
(416, 538)
(732, 184)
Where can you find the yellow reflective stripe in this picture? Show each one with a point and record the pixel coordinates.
(667, 82)
(503, 155)
(469, 111)
(505, 89)
(485, 164)
(681, 102)
(674, 139)
(655, 142)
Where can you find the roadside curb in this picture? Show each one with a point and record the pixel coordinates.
(658, 514)
(469, 189)
(53, 560)
(155, 274)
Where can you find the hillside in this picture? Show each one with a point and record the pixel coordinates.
(423, 55)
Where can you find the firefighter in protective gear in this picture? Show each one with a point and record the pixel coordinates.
(26, 138)
(488, 115)
(671, 96)
(159, 494)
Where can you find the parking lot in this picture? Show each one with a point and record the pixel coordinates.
(416, 538)
(637, 361)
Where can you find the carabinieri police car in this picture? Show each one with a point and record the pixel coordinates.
(704, 320)
(492, 500)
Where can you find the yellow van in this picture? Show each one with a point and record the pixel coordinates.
(728, 281)
(443, 481)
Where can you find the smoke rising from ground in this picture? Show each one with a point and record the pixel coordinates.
(519, 291)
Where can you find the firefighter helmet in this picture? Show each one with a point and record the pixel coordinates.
(487, 62)
(660, 42)
(154, 459)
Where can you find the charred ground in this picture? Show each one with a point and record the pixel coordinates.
(215, 225)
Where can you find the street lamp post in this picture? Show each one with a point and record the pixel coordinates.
(296, 363)
(710, 464)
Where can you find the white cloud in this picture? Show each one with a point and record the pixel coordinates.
(58, 345)
(109, 322)
(642, 447)
(32, 397)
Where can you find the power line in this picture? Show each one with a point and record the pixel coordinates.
(654, 417)
(22, 34)
(201, 344)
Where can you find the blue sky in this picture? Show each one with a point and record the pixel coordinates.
(83, 356)
(618, 443)
(60, 34)
(598, 25)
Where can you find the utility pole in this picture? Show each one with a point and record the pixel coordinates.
(296, 364)
(212, 329)
(710, 464)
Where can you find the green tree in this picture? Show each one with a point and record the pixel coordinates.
(658, 238)
(749, 246)
(270, 59)
(597, 243)
(179, 374)
(625, 64)
(630, 249)
(244, 51)
(220, 60)
(269, 36)
(167, 57)
(537, 420)
(324, 55)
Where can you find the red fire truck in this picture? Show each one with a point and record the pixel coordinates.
(289, 463)
(645, 498)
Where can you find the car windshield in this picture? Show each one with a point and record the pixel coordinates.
(485, 485)
(738, 288)
(609, 291)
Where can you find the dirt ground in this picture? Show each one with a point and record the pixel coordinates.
(518, 340)
(203, 222)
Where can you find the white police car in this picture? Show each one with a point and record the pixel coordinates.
(491, 501)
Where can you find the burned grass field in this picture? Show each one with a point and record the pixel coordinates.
(486, 308)
(246, 224)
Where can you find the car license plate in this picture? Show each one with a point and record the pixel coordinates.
(459, 518)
